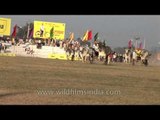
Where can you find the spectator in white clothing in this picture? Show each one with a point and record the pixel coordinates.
(134, 56)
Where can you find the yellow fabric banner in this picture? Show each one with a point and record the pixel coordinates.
(5, 26)
(42, 30)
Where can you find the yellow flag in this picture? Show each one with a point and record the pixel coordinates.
(71, 37)
(85, 37)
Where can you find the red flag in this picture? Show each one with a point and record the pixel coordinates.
(90, 35)
(14, 31)
(87, 36)
(129, 44)
(140, 45)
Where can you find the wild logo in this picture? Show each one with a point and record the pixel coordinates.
(3, 24)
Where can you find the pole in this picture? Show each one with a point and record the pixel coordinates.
(28, 30)
(144, 45)
(135, 44)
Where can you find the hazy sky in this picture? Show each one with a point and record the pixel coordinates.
(115, 29)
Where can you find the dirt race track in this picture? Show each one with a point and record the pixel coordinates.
(35, 81)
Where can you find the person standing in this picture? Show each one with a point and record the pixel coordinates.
(134, 56)
(41, 30)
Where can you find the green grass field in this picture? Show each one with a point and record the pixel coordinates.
(35, 81)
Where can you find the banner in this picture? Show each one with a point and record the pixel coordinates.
(43, 29)
(14, 33)
(8, 54)
(71, 36)
(87, 36)
(57, 56)
(130, 44)
(60, 56)
(96, 37)
(5, 26)
(59, 53)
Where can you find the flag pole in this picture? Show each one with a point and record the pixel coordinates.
(144, 45)
(28, 30)
(92, 43)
